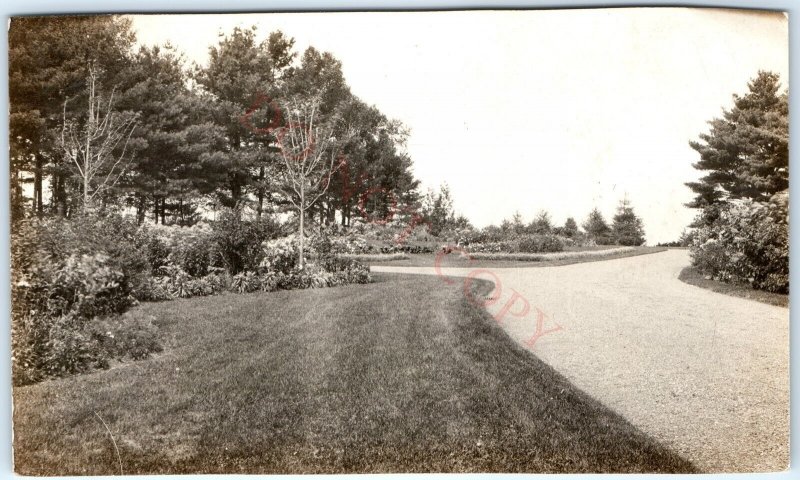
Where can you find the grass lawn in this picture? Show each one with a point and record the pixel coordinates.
(456, 260)
(400, 375)
(692, 276)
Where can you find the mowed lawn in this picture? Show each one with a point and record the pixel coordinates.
(401, 375)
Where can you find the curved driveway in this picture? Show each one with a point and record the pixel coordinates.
(705, 373)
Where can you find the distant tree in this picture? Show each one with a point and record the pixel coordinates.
(437, 210)
(570, 228)
(462, 222)
(542, 224)
(627, 227)
(596, 228)
(376, 179)
(746, 152)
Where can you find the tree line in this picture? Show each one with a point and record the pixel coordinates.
(96, 124)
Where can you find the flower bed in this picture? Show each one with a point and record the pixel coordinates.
(375, 257)
(540, 257)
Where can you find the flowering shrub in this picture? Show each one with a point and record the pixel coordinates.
(747, 243)
(281, 255)
(521, 244)
(540, 257)
(540, 243)
(238, 243)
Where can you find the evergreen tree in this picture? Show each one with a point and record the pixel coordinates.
(176, 139)
(240, 72)
(570, 229)
(541, 225)
(49, 59)
(627, 227)
(746, 152)
(597, 229)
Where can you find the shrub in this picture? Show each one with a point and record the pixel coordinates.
(53, 302)
(155, 290)
(540, 257)
(245, 282)
(194, 256)
(375, 257)
(539, 244)
(747, 243)
(281, 255)
(155, 249)
(351, 271)
(65, 275)
(238, 243)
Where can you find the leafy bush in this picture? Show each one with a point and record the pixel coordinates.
(155, 248)
(238, 242)
(65, 275)
(351, 270)
(281, 255)
(747, 243)
(53, 303)
(540, 243)
(245, 282)
(155, 290)
(195, 256)
(527, 243)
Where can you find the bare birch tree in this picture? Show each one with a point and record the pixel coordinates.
(98, 146)
(310, 152)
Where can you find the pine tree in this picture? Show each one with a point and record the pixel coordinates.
(627, 227)
(746, 152)
(570, 228)
(597, 229)
(541, 225)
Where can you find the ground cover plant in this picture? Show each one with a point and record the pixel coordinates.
(332, 380)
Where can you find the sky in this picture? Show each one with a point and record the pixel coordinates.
(522, 111)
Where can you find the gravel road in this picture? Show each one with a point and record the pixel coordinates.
(705, 373)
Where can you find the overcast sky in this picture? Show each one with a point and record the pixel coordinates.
(561, 110)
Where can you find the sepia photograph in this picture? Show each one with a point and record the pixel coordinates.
(356, 242)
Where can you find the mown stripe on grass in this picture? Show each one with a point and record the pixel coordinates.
(399, 375)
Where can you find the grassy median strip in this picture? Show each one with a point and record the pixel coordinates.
(401, 375)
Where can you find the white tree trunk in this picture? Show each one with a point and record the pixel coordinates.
(302, 220)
